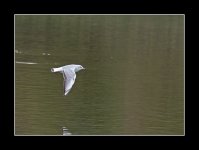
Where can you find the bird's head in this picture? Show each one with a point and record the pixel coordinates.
(78, 68)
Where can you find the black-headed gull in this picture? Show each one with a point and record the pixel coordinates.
(69, 75)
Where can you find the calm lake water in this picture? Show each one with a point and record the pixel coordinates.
(133, 83)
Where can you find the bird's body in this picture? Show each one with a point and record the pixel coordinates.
(69, 74)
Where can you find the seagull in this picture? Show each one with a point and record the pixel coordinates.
(69, 74)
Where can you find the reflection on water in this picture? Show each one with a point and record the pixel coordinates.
(27, 63)
(65, 131)
(133, 82)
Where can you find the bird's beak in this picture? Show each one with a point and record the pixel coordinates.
(83, 68)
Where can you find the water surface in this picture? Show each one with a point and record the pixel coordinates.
(133, 83)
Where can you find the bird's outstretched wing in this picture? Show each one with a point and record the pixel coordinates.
(69, 79)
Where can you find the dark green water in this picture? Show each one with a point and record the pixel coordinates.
(133, 83)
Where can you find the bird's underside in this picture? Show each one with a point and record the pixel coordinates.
(69, 80)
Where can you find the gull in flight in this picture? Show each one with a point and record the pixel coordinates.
(69, 74)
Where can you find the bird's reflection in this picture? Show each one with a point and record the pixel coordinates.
(65, 131)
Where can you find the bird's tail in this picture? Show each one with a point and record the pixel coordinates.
(56, 69)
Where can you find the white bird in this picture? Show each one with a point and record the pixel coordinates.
(69, 74)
